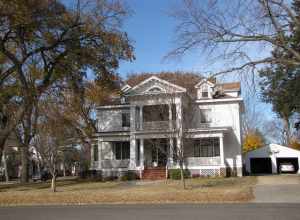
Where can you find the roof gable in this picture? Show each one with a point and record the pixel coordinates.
(155, 85)
(204, 81)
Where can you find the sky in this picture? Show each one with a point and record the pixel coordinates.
(151, 30)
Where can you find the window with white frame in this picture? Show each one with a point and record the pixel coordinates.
(207, 147)
(205, 116)
(204, 92)
(122, 150)
(125, 119)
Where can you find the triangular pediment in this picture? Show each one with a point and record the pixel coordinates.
(155, 85)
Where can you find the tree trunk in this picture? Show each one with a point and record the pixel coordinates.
(182, 175)
(2, 144)
(24, 162)
(5, 166)
(53, 183)
(286, 124)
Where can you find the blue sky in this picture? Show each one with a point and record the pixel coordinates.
(152, 33)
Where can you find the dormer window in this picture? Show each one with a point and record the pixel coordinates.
(204, 92)
(204, 89)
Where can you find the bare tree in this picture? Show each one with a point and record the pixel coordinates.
(49, 142)
(230, 31)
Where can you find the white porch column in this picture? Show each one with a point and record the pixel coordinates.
(170, 117)
(132, 162)
(132, 118)
(141, 117)
(92, 157)
(180, 150)
(142, 156)
(171, 152)
(222, 150)
(99, 154)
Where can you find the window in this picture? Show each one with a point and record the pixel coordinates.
(138, 151)
(125, 119)
(204, 92)
(122, 150)
(207, 147)
(205, 115)
(155, 89)
(96, 152)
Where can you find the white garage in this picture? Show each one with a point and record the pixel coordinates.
(267, 160)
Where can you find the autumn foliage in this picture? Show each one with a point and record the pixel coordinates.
(253, 140)
(295, 144)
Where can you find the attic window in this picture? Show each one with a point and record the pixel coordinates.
(155, 89)
(204, 92)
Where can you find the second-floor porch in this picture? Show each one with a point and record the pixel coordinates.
(164, 117)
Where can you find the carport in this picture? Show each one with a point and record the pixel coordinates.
(267, 160)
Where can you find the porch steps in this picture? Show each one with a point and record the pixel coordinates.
(154, 174)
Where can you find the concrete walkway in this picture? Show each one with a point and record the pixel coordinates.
(277, 189)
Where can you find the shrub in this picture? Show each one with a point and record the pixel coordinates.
(109, 178)
(175, 174)
(129, 176)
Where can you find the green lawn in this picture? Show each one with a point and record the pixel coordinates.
(73, 191)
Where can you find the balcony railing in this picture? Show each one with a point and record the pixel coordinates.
(95, 164)
(158, 125)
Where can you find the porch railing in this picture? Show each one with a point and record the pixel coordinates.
(198, 161)
(106, 164)
(158, 125)
(95, 164)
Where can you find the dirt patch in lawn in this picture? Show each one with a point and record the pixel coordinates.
(202, 190)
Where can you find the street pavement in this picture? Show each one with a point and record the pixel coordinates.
(155, 212)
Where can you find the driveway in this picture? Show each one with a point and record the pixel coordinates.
(277, 189)
(157, 212)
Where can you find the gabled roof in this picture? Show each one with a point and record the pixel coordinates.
(185, 80)
(160, 80)
(232, 86)
(204, 81)
(189, 81)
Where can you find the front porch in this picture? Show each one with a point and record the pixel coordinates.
(203, 154)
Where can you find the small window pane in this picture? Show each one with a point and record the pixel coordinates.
(126, 119)
(96, 153)
(205, 115)
(204, 94)
(125, 150)
(118, 151)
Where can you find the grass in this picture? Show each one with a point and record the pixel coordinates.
(201, 190)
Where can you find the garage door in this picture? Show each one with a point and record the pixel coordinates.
(261, 165)
(291, 160)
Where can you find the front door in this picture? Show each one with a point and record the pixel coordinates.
(159, 154)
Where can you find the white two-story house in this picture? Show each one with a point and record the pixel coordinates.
(159, 116)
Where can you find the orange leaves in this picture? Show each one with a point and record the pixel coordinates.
(294, 143)
(252, 141)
